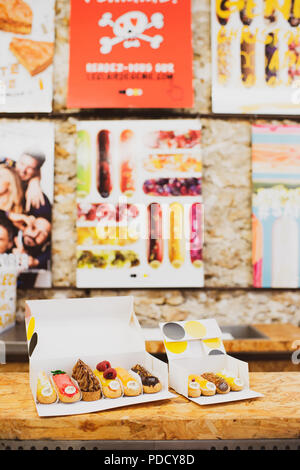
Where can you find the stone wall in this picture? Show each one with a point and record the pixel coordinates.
(227, 295)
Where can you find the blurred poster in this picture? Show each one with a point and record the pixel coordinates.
(27, 49)
(256, 56)
(26, 196)
(139, 203)
(276, 206)
(133, 54)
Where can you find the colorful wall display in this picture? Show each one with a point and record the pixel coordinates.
(276, 206)
(256, 56)
(27, 50)
(26, 197)
(132, 55)
(139, 203)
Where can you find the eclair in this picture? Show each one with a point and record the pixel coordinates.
(111, 387)
(197, 385)
(67, 390)
(87, 381)
(45, 392)
(221, 384)
(131, 385)
(151, 384)
(235, 383)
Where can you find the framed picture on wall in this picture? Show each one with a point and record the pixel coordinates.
(132, 56)
(255, 57)
(139, 203)
(276, 205)
(27, 50)
(26, 196)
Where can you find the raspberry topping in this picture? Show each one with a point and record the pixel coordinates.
(110, 374)
(102, 366)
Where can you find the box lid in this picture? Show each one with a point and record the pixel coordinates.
(192, 338)
(66, 327)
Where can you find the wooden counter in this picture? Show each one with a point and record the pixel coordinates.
(275, 416)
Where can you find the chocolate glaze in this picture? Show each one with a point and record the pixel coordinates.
(147, 379)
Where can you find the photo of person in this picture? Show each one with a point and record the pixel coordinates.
(26, 156)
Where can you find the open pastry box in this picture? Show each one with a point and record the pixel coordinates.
(195, 348)
(93, 330)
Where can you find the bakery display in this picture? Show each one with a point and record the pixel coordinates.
(15, 16)
(110, 384)
(221, 384)
(35, 56)
(88, 385)
(131, 385)
(45, 392)
(67, 390)
(151, 384)
(87, 381)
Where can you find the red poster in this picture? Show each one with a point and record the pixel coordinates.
(130, 54)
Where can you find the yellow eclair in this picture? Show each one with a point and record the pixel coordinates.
(235, 383)
(111, 388)
(198, 385)
(132, 387)
(45, 392)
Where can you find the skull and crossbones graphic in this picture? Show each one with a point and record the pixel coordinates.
(129, 29)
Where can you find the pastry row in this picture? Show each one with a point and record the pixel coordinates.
(209, 384)
(90, 385)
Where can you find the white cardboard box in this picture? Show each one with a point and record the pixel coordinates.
(196, 347)
(59, 332)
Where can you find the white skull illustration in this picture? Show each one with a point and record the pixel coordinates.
(129, 29)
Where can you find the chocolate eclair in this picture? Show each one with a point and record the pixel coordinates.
(220, 383)
(87, 381)
(150, 383)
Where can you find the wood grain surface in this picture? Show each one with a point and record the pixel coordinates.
(276, 415)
